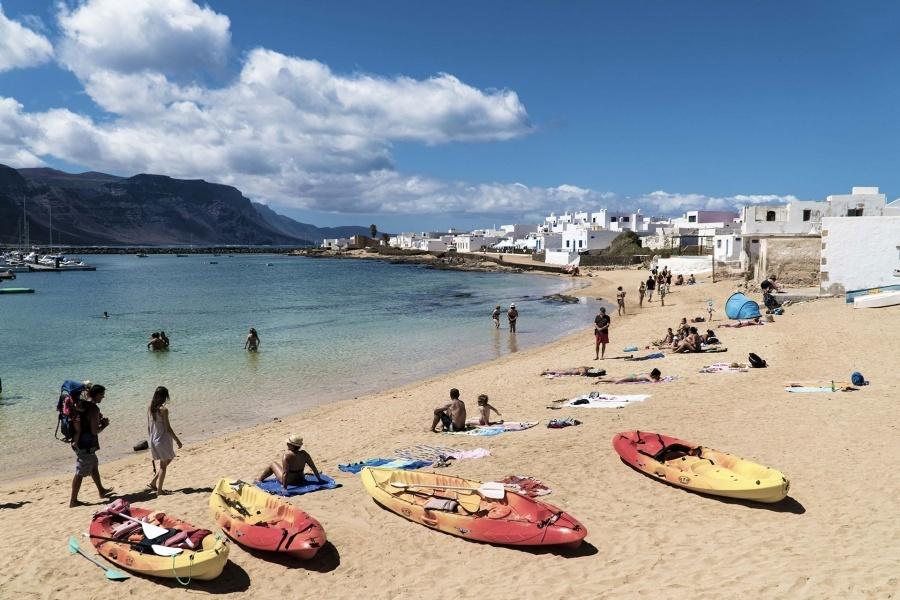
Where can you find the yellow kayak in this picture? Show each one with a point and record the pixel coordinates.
(699, 468)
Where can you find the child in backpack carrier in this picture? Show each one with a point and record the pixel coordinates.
(70, 406)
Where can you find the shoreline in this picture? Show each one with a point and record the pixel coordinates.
(768, 551)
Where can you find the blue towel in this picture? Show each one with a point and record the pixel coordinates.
(630, 349)
(649, 356)
(272, 486)
(393, 463)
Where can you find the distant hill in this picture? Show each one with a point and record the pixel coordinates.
(100, 209)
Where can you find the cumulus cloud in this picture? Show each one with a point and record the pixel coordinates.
(21, 46)
(168, 36)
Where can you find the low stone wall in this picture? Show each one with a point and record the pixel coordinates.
(795, 261)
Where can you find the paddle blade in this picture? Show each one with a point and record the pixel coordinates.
(493, 490)
(165, 550)
(74, 546)
(116, 575)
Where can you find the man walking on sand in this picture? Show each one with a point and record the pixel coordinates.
(601, 333)
(451, 416)
(86, 442)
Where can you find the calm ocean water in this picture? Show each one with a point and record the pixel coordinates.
(330, 330)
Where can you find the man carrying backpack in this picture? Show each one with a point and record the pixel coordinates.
(86, 442)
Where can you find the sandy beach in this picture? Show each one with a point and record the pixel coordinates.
(834, 537)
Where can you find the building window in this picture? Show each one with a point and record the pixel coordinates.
(613, 219)
(718, 243)
(626, 219)
(854, 212)
(567, 243)
(807, 214)
(692, 218)
(580, 243)
(737, 239)
(770, 215)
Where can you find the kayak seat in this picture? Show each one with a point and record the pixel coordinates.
(673, 452)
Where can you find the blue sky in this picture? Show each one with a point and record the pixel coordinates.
(545, 105)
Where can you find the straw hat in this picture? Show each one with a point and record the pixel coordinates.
(295, 439)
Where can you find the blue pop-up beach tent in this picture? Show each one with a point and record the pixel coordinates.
(739, 306)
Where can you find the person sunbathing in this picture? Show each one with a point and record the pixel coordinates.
(654, 376)
(753, 321)
(289, 469)
(582, 371)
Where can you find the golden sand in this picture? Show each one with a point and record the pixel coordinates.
(836, 536)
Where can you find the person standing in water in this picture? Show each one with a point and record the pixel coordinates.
(495, 316)
(160, 436)
(513, 315)
(252, 343)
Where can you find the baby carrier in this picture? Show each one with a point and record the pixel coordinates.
(67, 408)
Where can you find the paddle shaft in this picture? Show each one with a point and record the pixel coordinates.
(153, 547)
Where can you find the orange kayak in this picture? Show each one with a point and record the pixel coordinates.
(427, 499)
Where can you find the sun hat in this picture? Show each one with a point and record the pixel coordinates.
(295, 439)
(513, 305)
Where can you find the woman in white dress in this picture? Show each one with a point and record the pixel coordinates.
(160, 437)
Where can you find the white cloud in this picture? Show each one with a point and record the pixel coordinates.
(20, 46)
(168, 36)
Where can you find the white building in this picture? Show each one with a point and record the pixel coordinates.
(547, 241)
(582, 239)
(802, 218)
(859, 253)
(335, 243)
(473, 243)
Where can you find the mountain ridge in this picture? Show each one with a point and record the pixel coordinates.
(98, 208)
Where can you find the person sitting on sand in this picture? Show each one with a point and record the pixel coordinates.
(691, 280)
(683, 327)
(667, 340)
(156, 342)
(289, 469)
(485, 409)
(770, 284)
(451, 416)
(495, 317)
(753, 321)
(252, 343)
(709, 337)
(691, 343)
(679, 280)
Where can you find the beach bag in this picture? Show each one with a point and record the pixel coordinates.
(756, 362)
(66, 408)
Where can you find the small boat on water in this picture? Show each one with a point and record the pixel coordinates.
(181, 255)
(16, 290)
(141, 255)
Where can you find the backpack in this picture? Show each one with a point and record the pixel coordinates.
(756, 362)
(67, 409)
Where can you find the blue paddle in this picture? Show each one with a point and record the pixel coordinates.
(75, 548)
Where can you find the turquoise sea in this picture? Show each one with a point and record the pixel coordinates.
(330, 330)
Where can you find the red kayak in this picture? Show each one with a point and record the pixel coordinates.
(258, 520)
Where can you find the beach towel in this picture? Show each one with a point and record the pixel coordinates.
(801, 389)
(390, 463)
(425, 452)
(272, 486)
(647, 357)
(527, 486)
(630, 349)
(598, 400)
(724, 368)
(489, 430)
(712, 349)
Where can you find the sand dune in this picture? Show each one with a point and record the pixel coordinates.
(835, 537)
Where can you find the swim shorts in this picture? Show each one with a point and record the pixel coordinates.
(602, 337)
(85, 464)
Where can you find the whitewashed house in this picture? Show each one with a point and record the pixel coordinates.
(859, 253)
(335, 243)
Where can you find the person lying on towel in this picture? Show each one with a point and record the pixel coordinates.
(289, 469)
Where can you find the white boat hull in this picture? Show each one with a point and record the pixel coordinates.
(877, 300)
